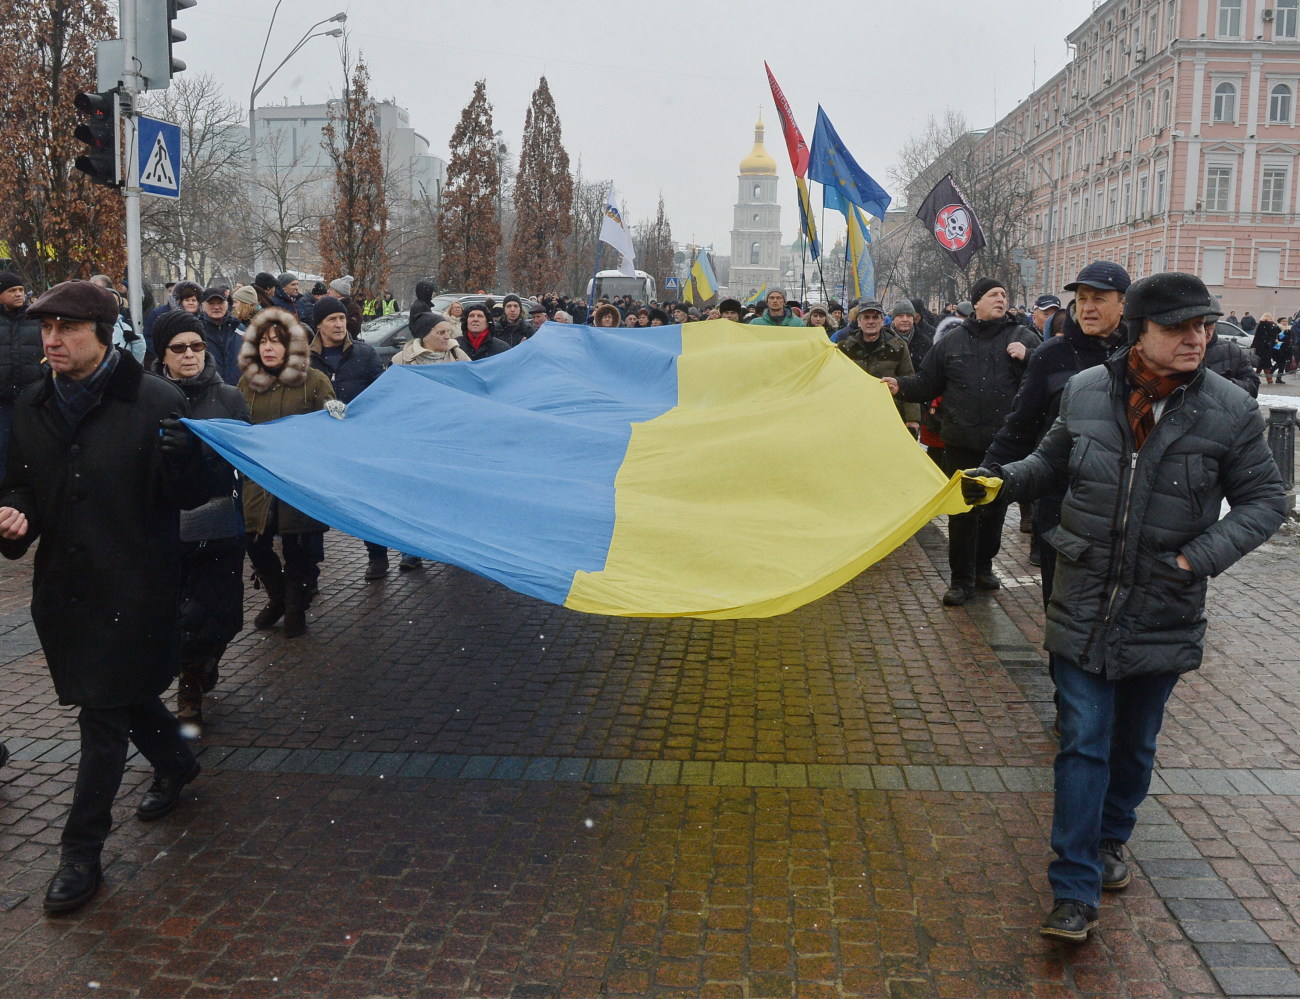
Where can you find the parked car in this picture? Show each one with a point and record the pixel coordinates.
(440, 302)
(1233, 332)
(387, 334)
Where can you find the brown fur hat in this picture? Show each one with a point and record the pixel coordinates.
(297, 359)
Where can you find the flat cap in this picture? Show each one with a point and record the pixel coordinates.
(77, 300)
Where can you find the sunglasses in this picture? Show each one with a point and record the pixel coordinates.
(181, 348)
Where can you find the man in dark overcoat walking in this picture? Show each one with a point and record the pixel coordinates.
(98, 470)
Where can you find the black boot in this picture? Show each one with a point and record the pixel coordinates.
(296, 599)
(273, 584)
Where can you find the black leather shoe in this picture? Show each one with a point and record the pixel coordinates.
(1115, 874)
(164, 794)
(1069, 920)
(955, 596)
(72, 886)
(987, 581)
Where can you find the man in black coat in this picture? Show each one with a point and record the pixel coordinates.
(1151, 444)
(351, 366)
(977, 367)
(99, 470)
(20, 350)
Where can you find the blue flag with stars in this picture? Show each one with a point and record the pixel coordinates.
(831, 165)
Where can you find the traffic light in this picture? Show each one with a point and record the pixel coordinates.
(155, 37)
(99, 131)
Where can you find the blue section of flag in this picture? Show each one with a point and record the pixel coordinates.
(831, 164)
(503, 466)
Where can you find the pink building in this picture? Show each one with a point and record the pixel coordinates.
(1169, 143)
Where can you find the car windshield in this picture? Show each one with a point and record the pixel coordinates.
(381, 323)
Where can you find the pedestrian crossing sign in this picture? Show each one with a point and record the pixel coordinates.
(158, 157)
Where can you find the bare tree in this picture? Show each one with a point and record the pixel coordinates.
(653, 239)
(206, 230)
(290, 204)
(353, 233)
(588, 210)
(56, 222)
(999, 190)
(469, 226)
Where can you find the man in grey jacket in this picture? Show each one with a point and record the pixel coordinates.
(1148, 446)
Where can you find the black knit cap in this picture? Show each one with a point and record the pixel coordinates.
(983, 286)
(8, 279)
(170, 325)
(265, 281)
(327, 306)
(424, 322)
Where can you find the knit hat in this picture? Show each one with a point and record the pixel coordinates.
(286, 278)
(318, 288)
(476, 307)
(327, 306)
(265, 281)
(512, 297)
(247, 295)
(343, 285)
(170, 325)
(730, 305)
(904, 308)
(8, 279)
(965, 309)
(983, 286)
(424, 322)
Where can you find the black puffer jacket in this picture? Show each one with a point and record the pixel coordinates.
(978, 380)
(1233, 363)
(20, 351)
(1039, 400)
(1121, 606)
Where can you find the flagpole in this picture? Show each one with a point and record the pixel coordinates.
(821, 271)
(591, 295)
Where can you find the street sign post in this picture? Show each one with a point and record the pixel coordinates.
(672, 282)
(158, 157)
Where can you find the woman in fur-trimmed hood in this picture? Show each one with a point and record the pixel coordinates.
(278, 381)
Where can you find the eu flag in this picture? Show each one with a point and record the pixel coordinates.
(830, 164)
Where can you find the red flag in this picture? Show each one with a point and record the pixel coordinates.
(793, 137)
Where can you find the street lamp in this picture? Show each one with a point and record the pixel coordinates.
(308, 35)
(1051, 204)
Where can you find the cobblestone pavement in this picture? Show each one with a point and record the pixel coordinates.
(447, 789)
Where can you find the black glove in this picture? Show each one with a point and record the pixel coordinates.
(174, 439)
(973, 491)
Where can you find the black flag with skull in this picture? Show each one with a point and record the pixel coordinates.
(952, 220)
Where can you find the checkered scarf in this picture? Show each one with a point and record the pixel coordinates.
(1148, 388)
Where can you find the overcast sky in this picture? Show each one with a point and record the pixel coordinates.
(661, 97)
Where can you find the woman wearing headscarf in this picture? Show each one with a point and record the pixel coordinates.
(278, 380)
(212, 535)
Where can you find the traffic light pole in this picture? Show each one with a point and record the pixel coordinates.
(131, 85)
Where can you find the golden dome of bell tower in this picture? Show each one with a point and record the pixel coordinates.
(758, 162)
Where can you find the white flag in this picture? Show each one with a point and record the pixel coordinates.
(614, 232)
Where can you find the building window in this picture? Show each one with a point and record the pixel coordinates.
(756, 216)
(1229, 18)
(754, 253)
(1284, 19)
(1272, 191)
(1279, 105)
(1128, 201)
(1164, 109)
(1225, 102)
(1268, 272)
(1148, 118)
(1218, 189)
(1160, 190)
(758, 191)
(1213, 259)
(1144, 195)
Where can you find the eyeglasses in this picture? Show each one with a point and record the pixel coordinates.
(180, 348)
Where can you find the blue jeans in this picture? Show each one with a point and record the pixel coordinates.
(1103, 769)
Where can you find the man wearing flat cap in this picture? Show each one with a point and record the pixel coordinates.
(1150, 444)
(99, 469)
(977, 367)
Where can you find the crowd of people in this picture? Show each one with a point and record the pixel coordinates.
(1119, 421)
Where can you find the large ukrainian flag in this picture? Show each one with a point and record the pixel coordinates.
(707, 470)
